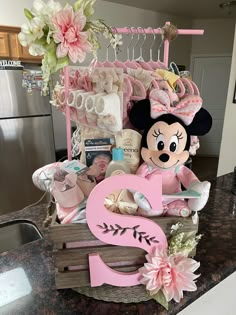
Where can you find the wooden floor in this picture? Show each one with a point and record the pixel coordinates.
(205, 167)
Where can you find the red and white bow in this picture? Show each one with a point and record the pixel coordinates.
(185, 109)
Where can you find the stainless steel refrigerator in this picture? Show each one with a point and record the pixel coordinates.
(26, 141)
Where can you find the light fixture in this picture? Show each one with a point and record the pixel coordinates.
(227, 6)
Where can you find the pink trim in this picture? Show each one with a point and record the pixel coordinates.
(133, 30)
(68, 122)
(124, 30)
(166, 50)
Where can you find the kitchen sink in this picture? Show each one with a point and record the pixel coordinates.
(14, 234)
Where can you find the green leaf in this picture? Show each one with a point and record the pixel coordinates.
(62, 62)
(77, 5)
(160, 298)
(28, 14)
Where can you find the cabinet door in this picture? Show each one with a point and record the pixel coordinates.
(4, 45)
(14, 46)
(25, 55)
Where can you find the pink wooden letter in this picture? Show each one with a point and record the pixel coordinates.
(123, 230)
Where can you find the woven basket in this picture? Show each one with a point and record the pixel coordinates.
(109, 293)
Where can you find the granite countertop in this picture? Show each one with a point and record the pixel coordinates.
(216, 252)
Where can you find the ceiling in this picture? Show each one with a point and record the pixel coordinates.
(188, 8)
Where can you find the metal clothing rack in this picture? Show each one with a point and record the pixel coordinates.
(125, 30)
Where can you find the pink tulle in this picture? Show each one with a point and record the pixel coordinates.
(172, 274)
(69, 34)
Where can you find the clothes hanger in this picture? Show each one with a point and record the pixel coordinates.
(107, 63)
(189, 90)
(161, 64)
(153, 64)
(140, 59)
(118, 63)
(131, 63)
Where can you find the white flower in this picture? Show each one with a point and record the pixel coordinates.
(31, 31)
(175, 227)
(36, 49)
(116, 40)
(46, 10)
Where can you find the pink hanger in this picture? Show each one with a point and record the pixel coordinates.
(189, 90)
(139, 91)
(195, 88)
(180, 89)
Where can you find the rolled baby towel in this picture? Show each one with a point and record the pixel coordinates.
(72, 96)
(108, 109)
(62, 97)
(80, 105)
(90, 108)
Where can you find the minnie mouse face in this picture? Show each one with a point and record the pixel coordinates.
(166, 145)
(166, 139)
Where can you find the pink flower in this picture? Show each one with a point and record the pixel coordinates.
(69, 34)
(172, 274)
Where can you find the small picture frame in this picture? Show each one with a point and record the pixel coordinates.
(234, 96)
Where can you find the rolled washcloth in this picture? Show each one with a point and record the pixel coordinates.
(90, 108)
(72, 96)
(108, 108)
(80, 106)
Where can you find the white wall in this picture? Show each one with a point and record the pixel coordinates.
(217, 39)
(12, 12)
(227, 160)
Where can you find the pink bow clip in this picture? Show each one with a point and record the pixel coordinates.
(184, 110)
(68, 183)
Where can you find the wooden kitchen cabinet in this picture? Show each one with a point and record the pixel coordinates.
(4, 45)
(10, 47)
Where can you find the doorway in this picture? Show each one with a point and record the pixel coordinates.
(211, 74)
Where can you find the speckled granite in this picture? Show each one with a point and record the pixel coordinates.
(216, 252)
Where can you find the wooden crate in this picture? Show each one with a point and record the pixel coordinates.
(73, 243)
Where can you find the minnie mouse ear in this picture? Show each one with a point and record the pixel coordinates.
(139, 115)
(201, 123)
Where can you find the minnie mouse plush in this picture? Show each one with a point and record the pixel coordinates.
(165, 148)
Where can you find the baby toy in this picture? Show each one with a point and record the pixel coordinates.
(165, 148)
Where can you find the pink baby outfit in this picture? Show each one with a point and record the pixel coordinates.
(171, 183)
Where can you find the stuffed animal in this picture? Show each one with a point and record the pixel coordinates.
(165, 148)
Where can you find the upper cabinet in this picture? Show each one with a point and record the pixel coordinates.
(11, 48)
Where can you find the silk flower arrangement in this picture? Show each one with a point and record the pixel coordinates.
(62, 34)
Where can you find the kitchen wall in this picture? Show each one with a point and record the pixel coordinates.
(218, 36)
(227, 160)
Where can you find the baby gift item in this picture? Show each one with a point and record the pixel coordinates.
(165, 148)
(70, 183)
(130, 141)
(98, 152)
(108, 109)
(120, 201)
(90, 113)
(118, 165)
(79, 103)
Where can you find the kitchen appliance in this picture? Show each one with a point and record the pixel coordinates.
(26, 140)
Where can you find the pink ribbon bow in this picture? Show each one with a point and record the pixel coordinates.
(185, 109)
(68, 183)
